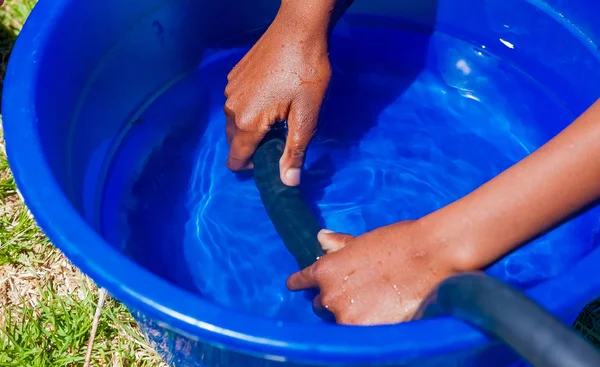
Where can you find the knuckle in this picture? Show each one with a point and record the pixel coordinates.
(245, 123)
(229, 108)
(320, 270)
(328, 301)
(327, 73)
(231, 73)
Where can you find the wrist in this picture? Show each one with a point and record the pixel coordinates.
(450, 237)
(476, 230)
(312, 16)
(425, 240)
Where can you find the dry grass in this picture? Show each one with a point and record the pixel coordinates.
(47, 304)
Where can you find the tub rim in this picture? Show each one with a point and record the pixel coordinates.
(186, 313)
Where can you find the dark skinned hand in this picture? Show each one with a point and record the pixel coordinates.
(283, 77)
(376, 278)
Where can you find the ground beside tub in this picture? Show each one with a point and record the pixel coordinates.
(46, 304)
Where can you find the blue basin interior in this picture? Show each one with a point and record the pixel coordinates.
(413, 120)
(426, 103)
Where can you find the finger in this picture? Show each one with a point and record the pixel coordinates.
(237, 69)
(302, 123)
(242, 147)
(321, 310)
(229, 126)
(331, 241)
(304, 279)
(317, 305)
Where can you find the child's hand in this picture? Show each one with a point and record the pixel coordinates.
(282, 78)
(382, 276)
(376, 278)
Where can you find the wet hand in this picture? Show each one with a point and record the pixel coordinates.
(283, 77)
(376, 278)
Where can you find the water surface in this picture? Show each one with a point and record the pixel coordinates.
(411, 123)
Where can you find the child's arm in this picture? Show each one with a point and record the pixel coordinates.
(282, 78)
(382, 276)
(557, 180)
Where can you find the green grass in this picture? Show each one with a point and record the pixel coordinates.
(56, 333)
(47, 305)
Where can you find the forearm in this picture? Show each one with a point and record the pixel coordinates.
(557, 180)
(319, 15)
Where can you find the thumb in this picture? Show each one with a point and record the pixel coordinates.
(302, 124)
(331, 241)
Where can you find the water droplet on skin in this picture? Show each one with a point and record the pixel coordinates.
(346, 278)
(419, 254)
(327, 306)
(351, 301)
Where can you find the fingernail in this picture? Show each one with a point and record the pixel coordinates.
(292, 177)
(326, 231)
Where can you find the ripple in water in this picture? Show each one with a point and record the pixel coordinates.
(411, 123)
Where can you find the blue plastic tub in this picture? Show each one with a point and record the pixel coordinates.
(114, 128)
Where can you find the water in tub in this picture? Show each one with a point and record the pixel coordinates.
(411, 122)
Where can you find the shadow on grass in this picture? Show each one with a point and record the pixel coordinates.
(7, 41)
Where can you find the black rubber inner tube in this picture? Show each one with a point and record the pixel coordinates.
(488, 304)
(509, 315)
(293, 220)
